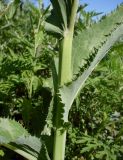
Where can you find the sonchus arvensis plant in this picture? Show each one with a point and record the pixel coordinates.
(78, 55)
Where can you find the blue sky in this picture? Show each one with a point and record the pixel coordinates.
(104, 6)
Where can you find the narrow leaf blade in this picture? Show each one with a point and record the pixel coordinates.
(85, 43)
(70, 92)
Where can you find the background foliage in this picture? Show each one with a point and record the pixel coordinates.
(97, 124)
(96, 130)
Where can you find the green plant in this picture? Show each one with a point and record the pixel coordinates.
(1, 153)
(100, 150)
(97, 112)
(76, 54)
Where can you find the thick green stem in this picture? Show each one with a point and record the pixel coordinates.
(65, 59)
(64, 76)
(59, 145)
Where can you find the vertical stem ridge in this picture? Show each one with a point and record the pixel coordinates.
(65, 60)
(64, 76)
(73, 15)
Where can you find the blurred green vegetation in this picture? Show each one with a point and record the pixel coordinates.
(96, 130)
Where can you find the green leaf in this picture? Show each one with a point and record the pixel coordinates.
(63, 11)
(100, 154)
(20, 151)
(54, 66)
(49, 121)
(58, 15)
(70, 92)
(12, 8)
(44, 154)
(10, 130)
(1, 153)
(85, 43)
(26, 111)
(20, 141)
(30, 144)
(52, 28)
(2, 8)
(31, 81)
(38, 39)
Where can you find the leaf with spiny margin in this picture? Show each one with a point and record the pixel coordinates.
(15, 137)
(85, 43)
(49, 120)
(44, 153)
(30, 144)
(10, 130)
(70, 92)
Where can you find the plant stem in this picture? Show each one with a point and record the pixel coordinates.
(65, 60)
(59, 145)
(64, 76)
